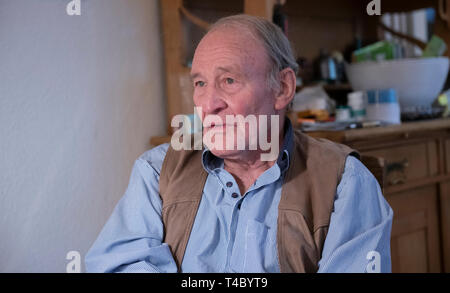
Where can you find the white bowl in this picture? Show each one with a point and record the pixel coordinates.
(418, 81)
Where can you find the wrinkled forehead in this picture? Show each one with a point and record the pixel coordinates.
(229, 44)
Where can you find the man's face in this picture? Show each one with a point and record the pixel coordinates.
(229, 73)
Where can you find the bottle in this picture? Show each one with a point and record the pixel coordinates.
(327, 67)
(357, 102)
(340, 66)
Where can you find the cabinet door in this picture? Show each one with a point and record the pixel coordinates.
(415, 244)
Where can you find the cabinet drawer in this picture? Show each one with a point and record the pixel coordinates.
(406, 163)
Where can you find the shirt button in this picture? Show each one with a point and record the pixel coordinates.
(229, 184)
(234, 195)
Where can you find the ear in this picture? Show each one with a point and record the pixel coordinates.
(286, 91)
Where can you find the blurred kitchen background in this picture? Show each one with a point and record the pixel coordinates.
(81, 97)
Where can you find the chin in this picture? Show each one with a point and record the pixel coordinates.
(224, 154)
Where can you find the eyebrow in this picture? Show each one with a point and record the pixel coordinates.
(195, 75)
(230, 69)
(227, 69)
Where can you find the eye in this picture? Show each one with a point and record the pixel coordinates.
(229, 80)
(199, 83)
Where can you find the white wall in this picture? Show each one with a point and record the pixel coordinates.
(80, 97)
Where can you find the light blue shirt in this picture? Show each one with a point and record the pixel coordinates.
(237, 235)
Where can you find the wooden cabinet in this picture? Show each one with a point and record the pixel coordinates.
(416, 180)
(415, 246)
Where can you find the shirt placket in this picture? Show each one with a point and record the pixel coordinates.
(234, 199)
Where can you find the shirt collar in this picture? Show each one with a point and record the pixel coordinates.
(211, 162)
(288, 144)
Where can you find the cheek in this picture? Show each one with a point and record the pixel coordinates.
(258, 101)
(240, 106)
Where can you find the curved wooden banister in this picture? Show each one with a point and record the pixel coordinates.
(410, 39)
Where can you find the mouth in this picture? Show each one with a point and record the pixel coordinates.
(213, 125)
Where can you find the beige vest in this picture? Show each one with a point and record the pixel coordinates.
(304, 211)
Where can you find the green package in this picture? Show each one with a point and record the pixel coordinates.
(379, 51)
(436, 47)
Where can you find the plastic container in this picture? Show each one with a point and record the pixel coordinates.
(382, 105)
(357, 102)
(343, 113)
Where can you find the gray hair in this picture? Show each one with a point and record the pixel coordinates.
(272, 38)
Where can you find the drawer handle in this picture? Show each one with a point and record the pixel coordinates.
(395, 172)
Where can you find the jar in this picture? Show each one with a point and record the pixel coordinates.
(383, 106)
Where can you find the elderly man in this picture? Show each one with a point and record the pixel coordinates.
(312, 208)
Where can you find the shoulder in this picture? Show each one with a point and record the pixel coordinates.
(153, 158)
(360, 188)
(355, 170)
(322, 149)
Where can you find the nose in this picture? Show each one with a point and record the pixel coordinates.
(213, 103)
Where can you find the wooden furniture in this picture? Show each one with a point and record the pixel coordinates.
(417, 186)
